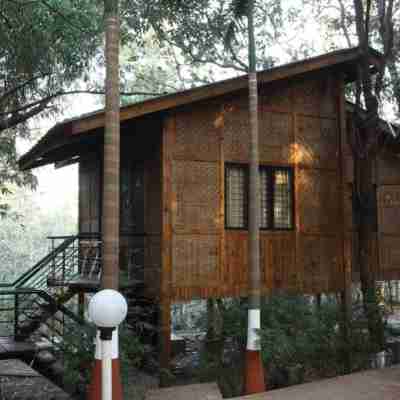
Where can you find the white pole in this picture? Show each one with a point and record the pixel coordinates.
(106, 370)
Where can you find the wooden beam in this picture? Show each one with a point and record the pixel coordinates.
(346, 300)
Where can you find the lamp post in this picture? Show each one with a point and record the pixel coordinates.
(107, 309)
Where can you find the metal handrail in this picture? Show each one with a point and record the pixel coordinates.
(39, 265)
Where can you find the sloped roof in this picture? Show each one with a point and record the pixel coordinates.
(68, 131)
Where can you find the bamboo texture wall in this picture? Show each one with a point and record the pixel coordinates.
(299, 127)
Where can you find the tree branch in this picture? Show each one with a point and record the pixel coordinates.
(17, 118)
(60, 94)
(343, 23)
(15, 89)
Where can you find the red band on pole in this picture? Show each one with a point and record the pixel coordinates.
(94, 392)
(254, 373)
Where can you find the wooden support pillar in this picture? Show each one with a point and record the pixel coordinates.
(345, 328)
(81, 304)
(318, 297)
(168, 135)
(165, 341)
(345, 294)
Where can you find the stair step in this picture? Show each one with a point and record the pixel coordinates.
(45, 357)
(43, 344)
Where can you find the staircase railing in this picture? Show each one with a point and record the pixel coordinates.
(36, 277)
(36, 313)
(31, 292)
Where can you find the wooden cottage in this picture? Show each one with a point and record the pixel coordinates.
(184, 177)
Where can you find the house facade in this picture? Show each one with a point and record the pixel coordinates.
(184, 180)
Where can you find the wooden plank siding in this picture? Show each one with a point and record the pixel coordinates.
(90, 193)
(141, 188)
(299, 128)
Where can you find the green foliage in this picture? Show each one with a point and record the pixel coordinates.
(78, 359)
(39, 60)
(299, 342)
(132, 350)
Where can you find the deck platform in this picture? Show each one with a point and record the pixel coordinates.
(9, 348)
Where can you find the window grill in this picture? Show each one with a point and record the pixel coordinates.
(236, 199)
(265, 210)
(282, 199)
(276, 197)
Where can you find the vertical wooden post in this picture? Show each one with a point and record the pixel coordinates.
(346, 300)
(81, 304)
(166, 247)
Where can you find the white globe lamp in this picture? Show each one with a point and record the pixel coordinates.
(107, 309)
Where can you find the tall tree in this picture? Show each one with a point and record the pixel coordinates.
(366, 147)
(111, 165)
(39, 60)
(254, 372)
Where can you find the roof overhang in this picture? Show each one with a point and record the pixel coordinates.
(67, 134)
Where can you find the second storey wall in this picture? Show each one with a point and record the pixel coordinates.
(299, 128)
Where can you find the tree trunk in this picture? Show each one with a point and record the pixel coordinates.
(254, 374)
(111, 165)
(364, 157)
(367, 230)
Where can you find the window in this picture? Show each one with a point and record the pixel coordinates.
(276, 197)
(236, 196)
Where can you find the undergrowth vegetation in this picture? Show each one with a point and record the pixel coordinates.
(300, 340)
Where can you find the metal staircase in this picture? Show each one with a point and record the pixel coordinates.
(41, 308)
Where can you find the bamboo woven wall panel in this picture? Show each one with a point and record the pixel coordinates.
(235, 271)
(315, 96)
(350, 244)
(278, 261)
(317, 142)
(374, 266)
(307, 96)
(276, 96)
(195, 260)
(348, 169)
(275, 137)
(319, 201)
(236, 131)
(195, 187)
(348, 209)
(389, 209)
(319, 257)
(388, 170)
(389, 257)
(196, 135)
